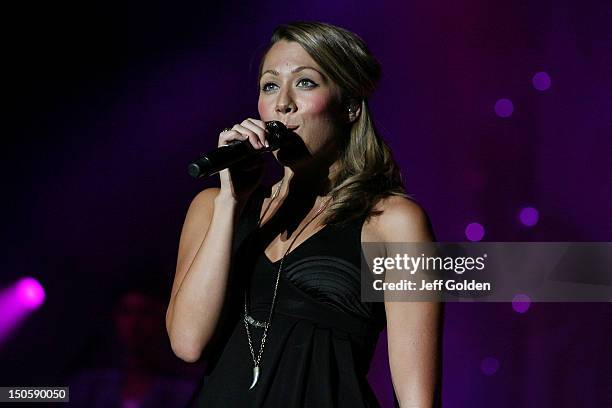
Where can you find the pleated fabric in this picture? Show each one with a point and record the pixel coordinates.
(322, 337)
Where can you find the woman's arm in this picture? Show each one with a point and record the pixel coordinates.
(203, 264)
(205, 248)
(414, 329)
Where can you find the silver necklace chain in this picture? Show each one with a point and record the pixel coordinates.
(248, 319)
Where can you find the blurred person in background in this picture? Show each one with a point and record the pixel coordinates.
(140, 376)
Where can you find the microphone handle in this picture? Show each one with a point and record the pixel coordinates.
(235, 151)
(224, 156)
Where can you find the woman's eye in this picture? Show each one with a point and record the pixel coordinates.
(267, 87)
(302, 83)
(308, 83)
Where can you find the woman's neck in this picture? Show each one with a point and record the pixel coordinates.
(313, 182)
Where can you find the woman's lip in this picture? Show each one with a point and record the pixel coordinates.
(292, 127)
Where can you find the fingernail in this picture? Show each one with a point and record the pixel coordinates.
(267, 144)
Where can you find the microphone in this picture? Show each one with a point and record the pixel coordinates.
(235, 151)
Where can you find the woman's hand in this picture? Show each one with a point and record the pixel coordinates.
(239, 181)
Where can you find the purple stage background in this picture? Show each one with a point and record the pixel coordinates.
(110, 100)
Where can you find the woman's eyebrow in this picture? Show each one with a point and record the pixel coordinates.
(294, 71)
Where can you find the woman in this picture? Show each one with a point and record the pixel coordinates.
(267, 285)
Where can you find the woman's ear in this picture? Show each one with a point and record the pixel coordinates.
(353, 109)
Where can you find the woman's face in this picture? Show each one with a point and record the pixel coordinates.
(294, 90)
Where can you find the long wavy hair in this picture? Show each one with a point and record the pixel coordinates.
(368, 171)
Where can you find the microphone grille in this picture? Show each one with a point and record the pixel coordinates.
(277, 131)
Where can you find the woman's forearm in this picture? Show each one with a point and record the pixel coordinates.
(194, 309)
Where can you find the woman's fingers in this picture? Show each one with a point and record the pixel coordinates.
(258, 127)
(240, 179)
(229, 135)
(253, 138)
(252, 129)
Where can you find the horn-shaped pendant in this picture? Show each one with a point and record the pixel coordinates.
(255, 377)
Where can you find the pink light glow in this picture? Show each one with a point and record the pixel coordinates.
(17, 303)
(30, 293)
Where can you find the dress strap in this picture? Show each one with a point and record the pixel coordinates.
(249, 217)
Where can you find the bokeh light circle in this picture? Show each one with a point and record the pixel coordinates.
(521, 303)
(529, 216)
(541, 81)
(489, 365)
(504, 108)
(474, 231)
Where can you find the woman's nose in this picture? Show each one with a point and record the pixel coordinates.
(284, 108)
(285, 104)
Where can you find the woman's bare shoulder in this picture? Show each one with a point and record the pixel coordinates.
(401, 219)
(205, 197)
(201, 205)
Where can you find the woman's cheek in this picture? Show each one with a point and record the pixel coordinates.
(319, 103)
(265, 113)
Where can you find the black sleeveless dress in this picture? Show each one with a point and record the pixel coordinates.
(322, 337)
